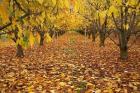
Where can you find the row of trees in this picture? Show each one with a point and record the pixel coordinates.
(118, 17)
(30, 21)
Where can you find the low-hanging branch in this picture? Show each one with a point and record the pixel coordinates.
(20, 18)
(115, 22)
(20, 7)
(10, 23)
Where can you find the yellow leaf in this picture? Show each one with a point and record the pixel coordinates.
(4, 11)
(30, 89)
(66, 3)
(19, 42)
(102, 16)
(48, 38)
(33, 22)
(52, 91)
(62, 75)
(54, 2)
(38, 38)
(19, 91)
(114, 10)
(60, 3)
(119, 2)
(98, 91)
(132, 2)
(19, 30)
(90, 86)
(76, 6)
(62, 84)
(14, 22)
(126, 26)
(89, 91)
(43, 14)
(31, 39)
(110, 90)
(41, 1)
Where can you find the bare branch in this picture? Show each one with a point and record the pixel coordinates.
(115, 22)
(20, 18)
(113, 41)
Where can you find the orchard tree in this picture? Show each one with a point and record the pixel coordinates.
(28, 21)
(125, 15)
(14, 15)
(114, 16)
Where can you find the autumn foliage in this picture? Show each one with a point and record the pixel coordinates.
(70, 46)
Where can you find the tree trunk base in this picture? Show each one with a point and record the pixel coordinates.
(41, 41)
(102, 40)
(20, 51)
(123, 54)
(102, 44)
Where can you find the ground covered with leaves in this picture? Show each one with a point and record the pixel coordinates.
(70, 64)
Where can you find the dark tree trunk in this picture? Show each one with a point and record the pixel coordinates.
(56, 35)
(123, 45)
(41, 41)
(19, 51)
(51, 33)
(102, 39)
(93, 36)
(124, 52)
(42, 36)
(89, 33)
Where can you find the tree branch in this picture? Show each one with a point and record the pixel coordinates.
(20, 18)
(115, 22)
(18, 4)
(113, 41)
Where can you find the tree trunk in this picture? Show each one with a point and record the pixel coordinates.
(19, 51)
(41, 41)
(51, 33)
(89, 33)
(123, 46)
(56, 35)
(102, 42)
(93, 37)
(124, 52)
(42, 38)
(102, 39)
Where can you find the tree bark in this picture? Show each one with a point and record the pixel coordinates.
(124, 52)
(123, 45)
(93, 37)
(42, 34)
(41, 41)
(51, 33)
(102, 39)
(20, 52)
(89, 33)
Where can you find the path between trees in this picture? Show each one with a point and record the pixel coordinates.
(70, 64)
